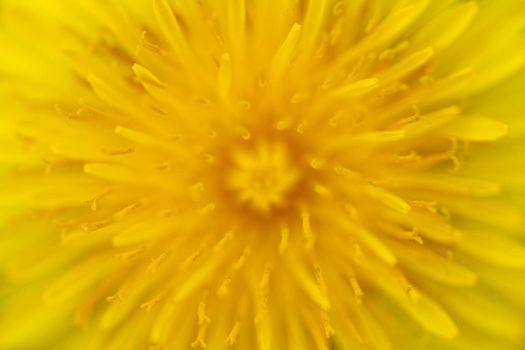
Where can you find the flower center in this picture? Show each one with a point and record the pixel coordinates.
(262, 177)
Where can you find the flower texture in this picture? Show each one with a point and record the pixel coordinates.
(256, 174)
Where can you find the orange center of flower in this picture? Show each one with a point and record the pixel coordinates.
(263, 176)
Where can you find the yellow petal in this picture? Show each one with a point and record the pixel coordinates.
(477, 129)
(371, 241)
(432, 317)
(407, 66)
(426, 263)
(446, 27)
(494, 248)
(484, 312)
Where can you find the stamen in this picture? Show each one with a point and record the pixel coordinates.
(301, 128)
(329, 330)
(339, 8)
(411, 119)
(208, 209)
(189, 260)
(317, 163)
(204, 322)
(131, 254)
(118, 151)
(200, 101)
(224, 288)
(232, 337)
(322, 190)
(404, 159)
(265, 280)
(97, 197)
(150, 304)
(94, 226)
(166, 213)
(307, 231)
(245, 105)
(430, 206)
(390, 54)
(283, 124)
(147, 45)
(211, 133)
(220, 246)
(156, 262)
(120, 215)
(358, 292)
(285, 234)
(299, 97)
(244, 133)
(240, 262)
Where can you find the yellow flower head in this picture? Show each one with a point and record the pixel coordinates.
(256, 174)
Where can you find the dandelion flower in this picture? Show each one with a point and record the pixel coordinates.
(296, 174)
